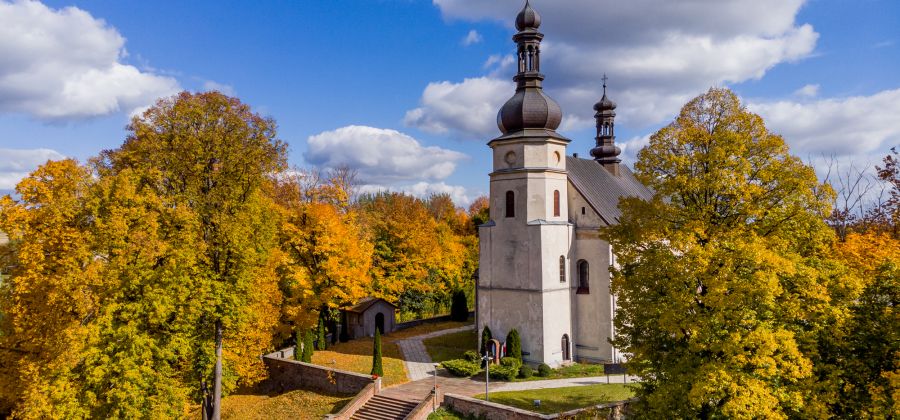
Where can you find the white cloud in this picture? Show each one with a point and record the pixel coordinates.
(382, 156)
(460, 195)
(468, 109)
(473, 37)
(16, 164)
(808, 91)
(849, 127)
(657, 54)
(220, 87)
(64, 64)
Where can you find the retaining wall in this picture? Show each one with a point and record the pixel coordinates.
(286, 374)
(491, 411)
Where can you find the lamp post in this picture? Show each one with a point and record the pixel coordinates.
(487, 374)
(434, 399)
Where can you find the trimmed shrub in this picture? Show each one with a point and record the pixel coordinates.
(511, 362)
(526, 372)
(459, 310)
(485, 338)
(544, 370)
(376, 355)
(472, 356)
(514, 345)
(504, 373)
(460, 367)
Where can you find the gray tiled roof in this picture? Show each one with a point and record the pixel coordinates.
(602, 189)
(365, 303)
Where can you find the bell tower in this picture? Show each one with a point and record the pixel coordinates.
(524, 280)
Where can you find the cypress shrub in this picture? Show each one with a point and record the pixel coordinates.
(485, 338)
(544, 370)
(321, 344)
(306, 356)
(298, 345)
(514, 345)
(459, 310)
(376, 356)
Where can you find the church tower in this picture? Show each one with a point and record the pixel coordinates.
(525, 248)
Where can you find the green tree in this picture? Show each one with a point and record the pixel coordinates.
(213, 156)
(377, 368)
(514, 345)
(871, 363)
(725, 289)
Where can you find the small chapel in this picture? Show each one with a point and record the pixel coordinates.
(544, 270)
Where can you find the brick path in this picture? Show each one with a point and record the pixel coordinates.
(418, 362)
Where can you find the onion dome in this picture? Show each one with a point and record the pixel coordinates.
(529, 108)
(528, 18)
(605, 103)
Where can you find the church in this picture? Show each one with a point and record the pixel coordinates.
(543, 268)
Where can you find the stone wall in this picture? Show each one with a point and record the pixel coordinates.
(287, 375)
(417, 322)
(424, 409)
(491, 411)
(353, 406)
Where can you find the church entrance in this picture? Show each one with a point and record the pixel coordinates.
(565, 347)
(379, 322)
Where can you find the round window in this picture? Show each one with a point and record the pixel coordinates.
(510, 158)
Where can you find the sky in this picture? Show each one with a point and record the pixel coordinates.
(407, 91)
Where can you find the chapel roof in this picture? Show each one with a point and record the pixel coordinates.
(366, 303)
(602, 189)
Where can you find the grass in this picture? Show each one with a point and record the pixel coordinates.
(444, 414)
(451, 346)
(295, 404)
(575, 370)
(557, 400)
(356, 356)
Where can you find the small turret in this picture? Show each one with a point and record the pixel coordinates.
(606, 152)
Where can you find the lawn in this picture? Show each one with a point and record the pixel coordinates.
(557, 400)
(575, 370)
(451, 346)
(295, 404)
(356, 356)
(444, 414)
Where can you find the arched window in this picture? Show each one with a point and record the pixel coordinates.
(556, 203)
(583, 283)
(510, 204)
(565, 347)
(562, 268)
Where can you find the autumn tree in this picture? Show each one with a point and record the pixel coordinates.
(724, 283)
(328, 256)
(213, 156)
(50, 296)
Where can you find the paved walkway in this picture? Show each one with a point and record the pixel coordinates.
(418, 363)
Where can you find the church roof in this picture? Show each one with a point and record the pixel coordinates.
(601, 189)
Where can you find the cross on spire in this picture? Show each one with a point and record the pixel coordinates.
(604, 79)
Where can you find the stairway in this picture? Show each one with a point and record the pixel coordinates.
(384, 408)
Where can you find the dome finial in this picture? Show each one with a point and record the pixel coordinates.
(528, 18)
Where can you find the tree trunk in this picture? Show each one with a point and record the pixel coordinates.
(217, 378)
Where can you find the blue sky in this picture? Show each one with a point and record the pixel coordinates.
(407, 90)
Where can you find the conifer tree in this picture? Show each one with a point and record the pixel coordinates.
(307, 347)
(459, 310)
(321, 344)
(514, 345)
(376, 355)
(486, 337)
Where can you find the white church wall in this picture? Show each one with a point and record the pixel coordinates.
(593, 312)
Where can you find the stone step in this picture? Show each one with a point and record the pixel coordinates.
(384, 408)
